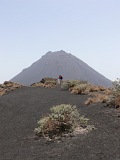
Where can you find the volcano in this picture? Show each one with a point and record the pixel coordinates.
(53, 64)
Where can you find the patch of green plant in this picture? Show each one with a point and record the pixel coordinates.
(63, 119)
(116, 87)
(66, 85)
(81, 87)
(48, 80)
(113, 99)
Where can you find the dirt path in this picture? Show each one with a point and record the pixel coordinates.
(21, 109)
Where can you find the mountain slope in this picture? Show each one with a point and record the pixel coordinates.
(52, 64)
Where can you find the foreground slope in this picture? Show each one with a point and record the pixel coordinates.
(52, 64)
(21, 109)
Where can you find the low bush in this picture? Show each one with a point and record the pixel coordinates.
(46, 82)
(116, 87)
(66, 85)
(93, 88)
(97, 98)
(111, 101)
(8, 86)
(114, 98)
(69, 85)
(63, 119)
(79, 89)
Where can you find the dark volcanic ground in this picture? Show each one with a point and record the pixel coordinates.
(21, 109)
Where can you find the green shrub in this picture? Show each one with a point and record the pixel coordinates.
(63, 119)
(114, 98)
(111, 100)
(82, 82)
(81, 87)
(48, 80)
(116, 87)
(66, 85)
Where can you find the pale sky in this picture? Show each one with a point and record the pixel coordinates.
(88, 29)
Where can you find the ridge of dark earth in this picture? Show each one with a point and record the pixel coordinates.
(21, 109)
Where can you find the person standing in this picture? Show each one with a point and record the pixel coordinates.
(60, 79)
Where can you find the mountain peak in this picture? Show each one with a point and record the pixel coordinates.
(57, 63)
(56, 52)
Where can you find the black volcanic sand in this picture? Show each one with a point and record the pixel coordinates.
(21, 109)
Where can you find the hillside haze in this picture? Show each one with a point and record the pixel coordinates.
(52, 64)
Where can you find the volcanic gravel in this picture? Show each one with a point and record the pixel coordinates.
(21, 109)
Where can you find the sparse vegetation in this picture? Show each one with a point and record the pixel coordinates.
(109, 96)
(93, 88)
(97, 98)
(64, 119)
(81, 87)
(98, 94)
(8, 86)
(46, 82)
(116, 87)
(66, 85)
(77, 86)
(114, 98)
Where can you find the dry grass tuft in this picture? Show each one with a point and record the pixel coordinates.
(8, 86)
(46, 82)
(78, 89)
(97, 98)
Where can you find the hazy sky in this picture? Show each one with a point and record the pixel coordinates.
(89, 29)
